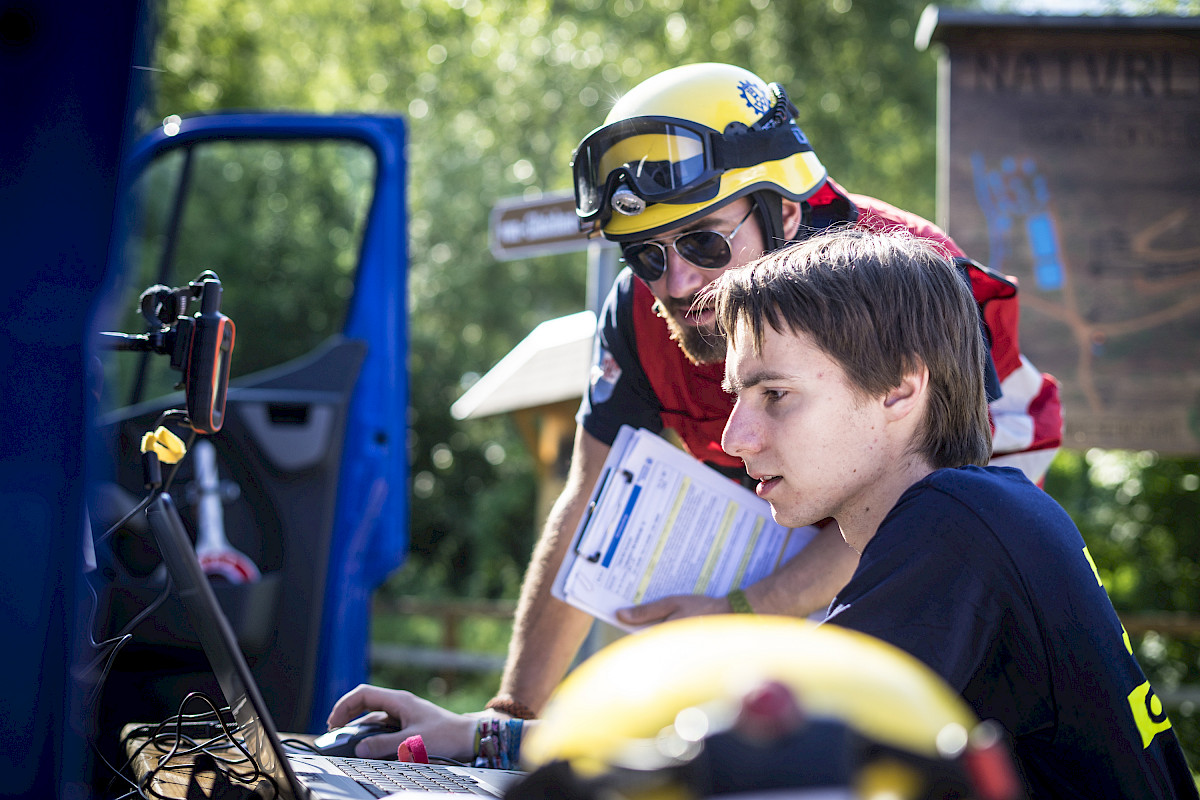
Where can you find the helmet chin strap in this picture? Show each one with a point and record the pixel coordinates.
(770, 217)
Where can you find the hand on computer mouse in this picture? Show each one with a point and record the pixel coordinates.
(445, 733)
(344, 741)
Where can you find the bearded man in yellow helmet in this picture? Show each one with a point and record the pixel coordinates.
(696, 171)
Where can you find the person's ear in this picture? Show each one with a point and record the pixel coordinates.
(909, 395)
(792, 213)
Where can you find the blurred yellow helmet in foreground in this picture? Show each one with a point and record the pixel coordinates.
(650, 702)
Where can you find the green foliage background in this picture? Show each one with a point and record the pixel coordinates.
(496, 95)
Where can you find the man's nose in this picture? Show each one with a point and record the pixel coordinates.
(739, 438)
(683, 277)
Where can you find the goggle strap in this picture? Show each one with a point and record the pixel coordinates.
(749, 149)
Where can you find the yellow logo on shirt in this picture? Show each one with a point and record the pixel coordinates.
(1100, 583)
(1148, 713)
(1092, 563)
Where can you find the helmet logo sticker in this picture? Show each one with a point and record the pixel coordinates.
(756, 99)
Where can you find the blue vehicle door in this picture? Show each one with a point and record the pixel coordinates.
(298, 503)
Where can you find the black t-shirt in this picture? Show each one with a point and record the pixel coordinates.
(986, 579)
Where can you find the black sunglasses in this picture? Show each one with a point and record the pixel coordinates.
(704, 249)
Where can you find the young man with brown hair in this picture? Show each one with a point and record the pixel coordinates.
(858, 373)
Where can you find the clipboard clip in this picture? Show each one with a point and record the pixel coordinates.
(626, 478)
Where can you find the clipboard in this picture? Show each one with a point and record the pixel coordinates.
(658, 523)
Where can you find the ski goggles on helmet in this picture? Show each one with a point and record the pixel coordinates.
(632, 162)
(704, 249)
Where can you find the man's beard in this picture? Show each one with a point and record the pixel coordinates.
(701, 345)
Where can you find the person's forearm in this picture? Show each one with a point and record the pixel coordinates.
(547, 632)
(809, 581)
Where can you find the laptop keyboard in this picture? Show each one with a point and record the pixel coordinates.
(386, 777)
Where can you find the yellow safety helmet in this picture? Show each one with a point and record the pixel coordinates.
(655, 716)
(686, 142)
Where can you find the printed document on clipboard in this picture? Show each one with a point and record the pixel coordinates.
(661, 523)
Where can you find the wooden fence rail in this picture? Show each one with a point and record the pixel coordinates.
(1171, 624)
(447, 657)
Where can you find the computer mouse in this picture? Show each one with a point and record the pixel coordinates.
(341, 741)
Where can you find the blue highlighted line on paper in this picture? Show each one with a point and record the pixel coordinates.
(625, 514)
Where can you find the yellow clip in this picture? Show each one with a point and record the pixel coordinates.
(167, 446)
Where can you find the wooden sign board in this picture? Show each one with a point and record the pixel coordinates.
(525, 227)
(1069, 157)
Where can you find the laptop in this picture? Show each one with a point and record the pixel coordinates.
(297, 774)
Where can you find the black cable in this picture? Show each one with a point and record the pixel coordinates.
(149, 609)
(116, 642)
(114, 645)
(148, 734)
(166, 590)
(121, 522)
(117, 772)
(254, 776)
(300, 744)
(166, 754)
(180, 719)
(112, 657)
(153, 735)
(91, 620)
(149, 498)
(163, 594)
